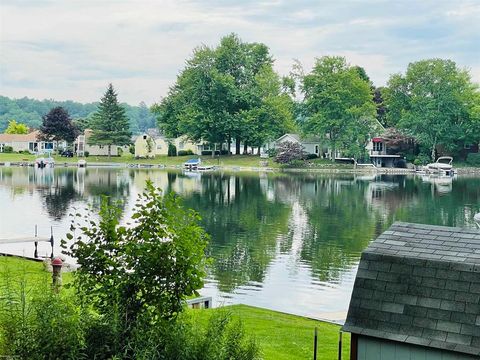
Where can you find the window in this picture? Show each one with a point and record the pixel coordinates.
(48, 146)
(378, 146)
(1, 147)
(467, 146)
(159, 146)
(181, 145)
(144, 137)
(316, 149)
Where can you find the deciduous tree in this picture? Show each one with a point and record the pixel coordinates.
(58, 126)
(434, 102)
(339, 105)
(16, 128)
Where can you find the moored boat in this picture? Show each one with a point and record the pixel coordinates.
(443, 166)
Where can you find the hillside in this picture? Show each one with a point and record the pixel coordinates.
(30, 112)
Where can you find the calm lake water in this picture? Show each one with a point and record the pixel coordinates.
(288, 242)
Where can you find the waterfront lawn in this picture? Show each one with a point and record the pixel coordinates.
(16, 272)
(286, 337)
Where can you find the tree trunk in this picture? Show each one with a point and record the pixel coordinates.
(109, 151)
(214, 149)
(237, 146)
(229, 143)
(434, 148)
(258, 150)
(245, 148)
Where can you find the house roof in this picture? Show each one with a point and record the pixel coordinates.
(8, 138)
(303, 140)
(420, 284)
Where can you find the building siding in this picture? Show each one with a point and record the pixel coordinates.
(379, 349)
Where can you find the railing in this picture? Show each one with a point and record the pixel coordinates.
(374, 152)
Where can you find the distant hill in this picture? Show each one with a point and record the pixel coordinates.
(30, 112)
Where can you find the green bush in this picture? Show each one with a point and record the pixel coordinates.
(86, 153)
(473, 159)
(8, 149)
(131, 149)
(172, 150)
(184, 152)
(311, 156)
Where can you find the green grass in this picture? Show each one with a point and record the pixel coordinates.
(286, 337)
(14, 271)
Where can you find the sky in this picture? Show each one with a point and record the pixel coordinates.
(72, 49)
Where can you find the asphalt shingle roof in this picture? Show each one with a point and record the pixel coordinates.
(420, 284)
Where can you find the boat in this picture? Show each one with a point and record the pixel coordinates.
(443, 166)
(43, 162)
(82, 163)
(192, 164)
(476, 218)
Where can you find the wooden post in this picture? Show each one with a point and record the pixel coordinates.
(57, 264)
(340, 346)
(315, 344)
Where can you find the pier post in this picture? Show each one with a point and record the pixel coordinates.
(57, 264)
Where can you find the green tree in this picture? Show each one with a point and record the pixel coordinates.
(58, 126)
(227, 93)
(434, 102)
(145, 270)
(16, 128)
(339, 105)
(110, 124)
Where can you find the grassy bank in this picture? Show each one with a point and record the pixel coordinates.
(230, 161)
(280, 336)
(286, 337)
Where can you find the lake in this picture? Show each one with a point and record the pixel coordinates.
(287, 242)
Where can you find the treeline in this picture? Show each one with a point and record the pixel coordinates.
(30, 111)
(232, 93)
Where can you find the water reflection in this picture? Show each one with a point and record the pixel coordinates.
(287, 242)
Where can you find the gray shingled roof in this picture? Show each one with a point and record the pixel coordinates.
(420, 284)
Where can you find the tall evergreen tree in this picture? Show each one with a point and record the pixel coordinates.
(110, 124)
(58, 126)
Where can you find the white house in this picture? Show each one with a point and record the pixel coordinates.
(379, 156)
(311, 145)
(82, 146)
(29, 142)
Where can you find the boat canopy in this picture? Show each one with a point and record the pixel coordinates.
(193, 162)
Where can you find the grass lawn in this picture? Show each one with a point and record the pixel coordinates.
(287, 337)
(14, 271)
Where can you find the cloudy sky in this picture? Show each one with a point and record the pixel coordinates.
(72, 49)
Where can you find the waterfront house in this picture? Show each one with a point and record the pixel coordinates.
(380, 156)
(417, 295)
(82, 147)
(29, 142)
(311, 145)
(148, 146)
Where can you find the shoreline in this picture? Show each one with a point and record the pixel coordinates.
(333, 169)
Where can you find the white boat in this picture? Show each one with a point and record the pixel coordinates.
(476, 218)
(43, 162)
(192, 164)
(82, 163)
(443, 166)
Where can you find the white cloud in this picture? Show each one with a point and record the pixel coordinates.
(72, 49)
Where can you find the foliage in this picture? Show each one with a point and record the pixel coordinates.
(16, 128)
(397, 142)
(473, 159)
(288, 151)
(172, 150)
(339, 104)
(58, 126)
(228, 92)
(30, 112)
(110, 124)
(185, 152)
(149, 144)
(436, 103)
(131, 149)
(8, 149)
(147, 269)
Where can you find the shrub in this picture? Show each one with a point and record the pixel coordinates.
(184, 152)
(172, 150)
(209, 152)
(119, 151)
(289, 151)
(473, 159)
(8, 149)
(86, 153)
(131, 149)
(311, 156)
(224, 152)
(272, 152)
(421, 159)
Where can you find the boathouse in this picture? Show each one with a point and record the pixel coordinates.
(417, 295)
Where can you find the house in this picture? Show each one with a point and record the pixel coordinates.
(311, 145)
(147, 146)
(82, 147)
(417, 295)
(29, 142)
(379, 154)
